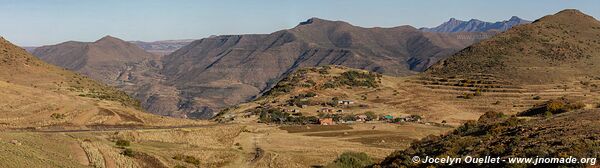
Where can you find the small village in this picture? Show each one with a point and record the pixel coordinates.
(293, 115)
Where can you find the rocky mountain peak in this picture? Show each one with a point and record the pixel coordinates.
(515, 18)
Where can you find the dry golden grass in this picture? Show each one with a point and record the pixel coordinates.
(34, 94)
(23, 106)
(37, 150)
(96, 159)
(435, 99)
(228, 145)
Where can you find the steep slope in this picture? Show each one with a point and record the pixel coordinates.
(36, 94)
(474, 25)
(119, 64)
(163, 47)
(556, 48)
(109, 60)
(224, 70)
(572, 134)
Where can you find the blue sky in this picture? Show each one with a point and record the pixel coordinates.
(41, 22)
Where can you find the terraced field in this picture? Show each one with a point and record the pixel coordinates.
(489, 94)
(451, 101)
(504, 96)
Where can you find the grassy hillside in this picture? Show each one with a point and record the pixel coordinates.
(555, 54)
(35, 94)
(308, 91)
(312, 93)
(572, 133)
(555, 48)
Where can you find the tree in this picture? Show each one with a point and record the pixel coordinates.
(351, 160)
(128, 152)
(310, 94)
(122, 142)
(370, 115)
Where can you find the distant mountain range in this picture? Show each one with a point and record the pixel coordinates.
(163, 47)
(212, 73)
(474, 25)
(226, 70)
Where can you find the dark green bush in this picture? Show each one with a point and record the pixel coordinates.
(187, 159)
(310, 94)
(351, 160)
(467, 96)
(121, 142)
(324, 70)
(58, 116)
(355, 78)
(370, 115)
(128, 152)
(556, 106)
(275, 115)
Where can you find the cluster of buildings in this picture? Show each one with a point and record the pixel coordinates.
(365, 118)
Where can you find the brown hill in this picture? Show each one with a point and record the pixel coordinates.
(36, 94)
(109, 60)
(497, 135)
(219, 71)
(556, 48)
(120, 64)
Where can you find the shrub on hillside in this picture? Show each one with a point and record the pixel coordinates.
(311, 82)
(58, 116)
(121, 142)
(330, 85)
(275, 115)
(550, 107)
(351, 160)
(310, 94)
(477, 92)
(355, 78)
(187, 159)
(370, 115)
(491, 116)
(467, 96)
(280, 88)
(128, 152)
(324, 70)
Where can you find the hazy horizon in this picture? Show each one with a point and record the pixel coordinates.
(36, 22)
